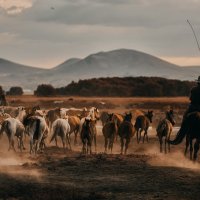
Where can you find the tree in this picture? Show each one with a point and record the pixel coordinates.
(15, 91)
(45, 90)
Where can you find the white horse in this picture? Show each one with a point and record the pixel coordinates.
(61, 127)
(14, 127)
(37, 129)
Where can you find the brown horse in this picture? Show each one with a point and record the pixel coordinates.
(74, 123)
(86, 136)
(142, 124)
(109, 132)
(126, 132)
(191, 129)
(104, 117)
(164, 129)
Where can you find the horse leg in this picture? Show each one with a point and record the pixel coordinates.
(68, 141)
(122, 145)
(147, 138)
(168, 138)
(95, 141)
(56, 141)
(31, 146)
(111, 144)
(75, 137)
(186, 145)
(165, 145)
(13, 144)
(144, 136)
(196, 149)
(161, 143)
(191, 149)
(126, 145)
(64, 143)
(106, 144)
(137, 136)
(140, 134)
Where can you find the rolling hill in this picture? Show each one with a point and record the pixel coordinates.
(120, 62)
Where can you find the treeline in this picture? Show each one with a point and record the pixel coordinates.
(126, 87)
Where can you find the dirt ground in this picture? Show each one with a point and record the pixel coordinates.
(144, 173)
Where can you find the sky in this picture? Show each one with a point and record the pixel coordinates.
(45, 33)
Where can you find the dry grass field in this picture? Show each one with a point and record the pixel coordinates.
(144, 173)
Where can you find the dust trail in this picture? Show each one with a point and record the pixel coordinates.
(176, 159)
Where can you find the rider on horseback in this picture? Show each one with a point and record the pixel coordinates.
(194, 99)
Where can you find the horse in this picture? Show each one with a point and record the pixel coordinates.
(74, 123)
(142, 124)
(14, 127)
(86, 137)
(164, 129)
(109, 132)
(36, 127)
(94, 116)
(190, 128)
(126, 132)
(104, 117)
(61, 127)
(52, 115)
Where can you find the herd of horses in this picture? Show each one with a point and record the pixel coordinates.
(62, 122)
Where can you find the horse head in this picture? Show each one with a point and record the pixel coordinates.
(150, 115)
(128, 117)
(170, 116)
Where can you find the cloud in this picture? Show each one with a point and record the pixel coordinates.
(12, 7)
(31, 30)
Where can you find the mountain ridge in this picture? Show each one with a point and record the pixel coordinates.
(118, 63)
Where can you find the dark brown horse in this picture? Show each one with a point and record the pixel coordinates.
(191, 129)
(86, 136)
(109, 132)
(164, 129)
(142, 123)
(126, 132)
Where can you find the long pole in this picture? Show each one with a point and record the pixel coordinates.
(194, 34)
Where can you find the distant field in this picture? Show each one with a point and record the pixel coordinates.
(101, 102)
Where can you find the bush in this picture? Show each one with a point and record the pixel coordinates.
(45, 90)
(15, 91)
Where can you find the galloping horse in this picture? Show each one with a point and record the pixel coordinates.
(86, 136)
(126, 131)
(61, 127)
(14, 127)
(93, 115)
(190, 128)
(142, 124)
(109, 132)
(36, 127)
(164, 129)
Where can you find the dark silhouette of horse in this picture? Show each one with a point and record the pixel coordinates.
(109, 132)
(191, 129)
(142, 124)
(104, 117)
(126, 132)
(86, 136)
(164, 129)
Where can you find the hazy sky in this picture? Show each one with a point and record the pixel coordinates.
(44, 33)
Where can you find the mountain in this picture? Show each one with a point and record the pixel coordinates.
(120, 62)
(13, 74)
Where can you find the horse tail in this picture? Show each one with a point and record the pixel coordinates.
(37, 129)
(5, 126)
(138, 123)
(181, 133)
(55, 131)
